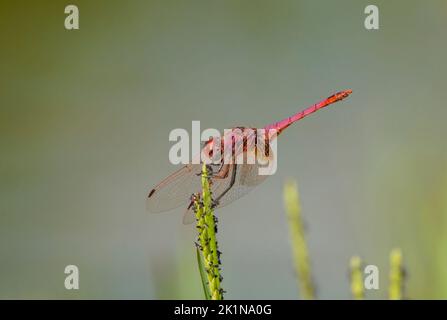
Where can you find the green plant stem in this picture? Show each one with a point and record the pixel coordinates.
(356, 275)
(396, 287)
(206, 289)
(298, 241)
(207, 228)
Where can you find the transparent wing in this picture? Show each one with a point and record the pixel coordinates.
(175, 190)
(247, 177)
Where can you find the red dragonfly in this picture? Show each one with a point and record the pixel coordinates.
(229, 181)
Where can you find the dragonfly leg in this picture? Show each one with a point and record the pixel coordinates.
(214, 203)
(210, 170)
(219, 171)
(223, 172)
(232, 181)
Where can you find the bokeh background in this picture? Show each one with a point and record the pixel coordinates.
(85, 117)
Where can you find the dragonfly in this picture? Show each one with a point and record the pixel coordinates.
(229, 180)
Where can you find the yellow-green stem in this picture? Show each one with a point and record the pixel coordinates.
(206, 226)
(356, 275)
(298, 241)
(396, 288)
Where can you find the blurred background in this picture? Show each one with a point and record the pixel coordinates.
(85, 117)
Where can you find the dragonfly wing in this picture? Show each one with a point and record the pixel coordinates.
(175, 190)
(247, 177)
(189, 216)
(178, 188)
(216, 186)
